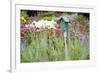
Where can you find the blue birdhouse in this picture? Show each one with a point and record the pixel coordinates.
(64, 23)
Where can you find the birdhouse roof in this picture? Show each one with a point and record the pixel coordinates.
(65, 18)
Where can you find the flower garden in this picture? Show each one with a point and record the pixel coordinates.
(42, 39)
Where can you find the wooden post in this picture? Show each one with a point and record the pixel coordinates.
(65, 44)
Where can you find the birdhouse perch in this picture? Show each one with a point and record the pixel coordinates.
(64, 23)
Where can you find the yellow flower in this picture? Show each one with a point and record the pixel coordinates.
(23, 19)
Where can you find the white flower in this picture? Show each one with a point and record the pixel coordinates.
(44, 24)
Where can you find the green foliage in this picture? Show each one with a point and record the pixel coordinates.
(82, 20)
(43, 49)
(77, 51)
(48, 18)
(47, 14)
(24, 14)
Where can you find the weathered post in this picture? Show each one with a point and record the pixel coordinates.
(64, 28)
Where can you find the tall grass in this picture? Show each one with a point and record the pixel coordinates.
(77, 50)
(42, 49)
